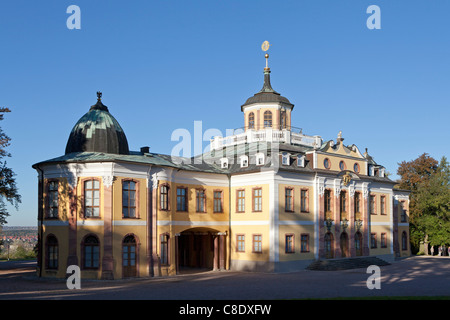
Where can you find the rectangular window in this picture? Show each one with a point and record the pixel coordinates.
(357, 202)
(373, 240)
(181, 199)
(164, 239)
(372, 206)
(289, 200)
(304, 243)
(304, 200)
(240, 194)
(129, 199)
(257, 199)
(92, 198)
(384, 240)
(327, 200)
(91, 257)
(218, 201)
(343, 202)
(164, 197)
(201, 200)
(257, 243)
(383, 205)
(289, 246)
(52, 257)
(240, 243)
(53, 199)
(403, 211)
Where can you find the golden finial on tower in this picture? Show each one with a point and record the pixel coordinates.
(265, 46)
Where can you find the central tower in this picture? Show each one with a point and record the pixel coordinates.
(267, 109)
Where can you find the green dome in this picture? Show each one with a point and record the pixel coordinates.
(97, 131)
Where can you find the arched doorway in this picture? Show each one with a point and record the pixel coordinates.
(358, 244)
(344, 244)
(329, 246)
(200, 249)
(129, 258)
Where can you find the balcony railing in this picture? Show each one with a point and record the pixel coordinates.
(266, 135)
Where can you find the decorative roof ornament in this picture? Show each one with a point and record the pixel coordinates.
(267, 93)
(265, 46)
(339, 137)
(267, 86)
(99, 96)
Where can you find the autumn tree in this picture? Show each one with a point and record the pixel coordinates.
(433, 205)
(8, 189)
(429, 182)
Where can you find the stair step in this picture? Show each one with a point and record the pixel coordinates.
(346, 263)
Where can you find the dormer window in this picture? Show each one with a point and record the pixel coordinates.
(382, 172)
(224, 163)
(300, 161)
(285, 159)
(244, 161)
(259, 159)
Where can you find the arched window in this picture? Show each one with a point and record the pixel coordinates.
(129, 256)
(251, 120)
(267, 119)
(129, 199)
(52, 252)
(91, 249)
(164, 241)
(404, 241)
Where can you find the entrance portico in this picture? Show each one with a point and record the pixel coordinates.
(200, 248)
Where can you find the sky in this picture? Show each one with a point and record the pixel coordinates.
(163, 64)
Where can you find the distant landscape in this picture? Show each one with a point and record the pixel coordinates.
(18, 242)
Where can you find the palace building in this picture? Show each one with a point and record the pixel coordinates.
(268, 198)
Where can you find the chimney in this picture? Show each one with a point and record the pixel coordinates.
(145, 150)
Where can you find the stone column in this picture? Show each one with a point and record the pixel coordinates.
(337, 222)
(107, 261)
(396, 246)
(365, 214)
(351, 223)
(72, 258)
(216, 252)
(155, 261)
(222, 241)
(321, 222)
(177, 263)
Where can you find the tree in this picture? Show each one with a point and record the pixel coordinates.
(433, 205)
(429, 183)
(8, 188)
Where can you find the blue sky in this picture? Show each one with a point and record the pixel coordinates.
(162, 65)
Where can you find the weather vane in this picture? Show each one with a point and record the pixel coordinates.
(265, 46)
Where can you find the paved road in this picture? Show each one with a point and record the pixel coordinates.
(415, 276)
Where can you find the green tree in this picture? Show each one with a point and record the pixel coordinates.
(433, 205)
(429, 181)
(8, 189)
